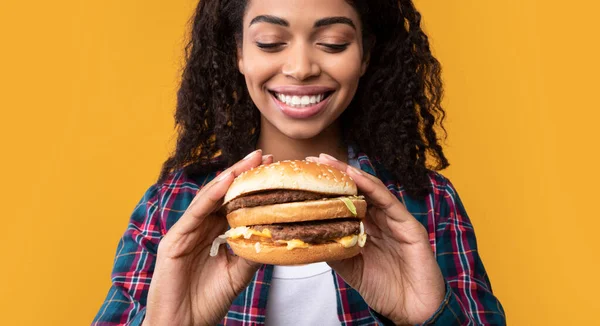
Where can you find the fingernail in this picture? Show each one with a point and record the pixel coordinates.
(266, 157)
(252, 154)
(329, 157)
(355, 170)
(312, 159)
(223, 175)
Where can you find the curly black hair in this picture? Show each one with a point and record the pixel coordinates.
(393, 116)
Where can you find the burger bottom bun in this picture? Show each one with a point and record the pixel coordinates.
(280, 255)
(313, 210)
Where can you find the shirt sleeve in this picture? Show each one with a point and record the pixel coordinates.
(133, 266)
(469, 299)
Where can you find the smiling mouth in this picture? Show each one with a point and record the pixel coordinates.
(301, 101)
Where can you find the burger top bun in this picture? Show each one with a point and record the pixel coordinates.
(292, 175)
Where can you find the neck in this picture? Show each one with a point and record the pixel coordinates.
(282, 147)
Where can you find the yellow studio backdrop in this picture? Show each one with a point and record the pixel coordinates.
(87, 96)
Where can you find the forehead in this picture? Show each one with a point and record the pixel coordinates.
(300, 10)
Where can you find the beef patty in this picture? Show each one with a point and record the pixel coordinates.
(272, 197)
(313, 231)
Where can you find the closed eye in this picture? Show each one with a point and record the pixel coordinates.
(332, 47)
(269, 46)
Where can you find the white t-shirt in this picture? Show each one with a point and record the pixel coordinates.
(305, 294)
(302, 295)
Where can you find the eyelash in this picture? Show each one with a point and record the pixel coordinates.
(268, 46)
(329, 46)
(335, 47)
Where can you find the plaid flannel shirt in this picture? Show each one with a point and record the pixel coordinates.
(469, 299)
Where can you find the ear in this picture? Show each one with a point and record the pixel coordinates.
(240, 59)
(365, 63)
(368, 45)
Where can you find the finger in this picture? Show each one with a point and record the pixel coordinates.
(351, 269)
(206, 203)
(241, 271)
(251, 160)
(371, 187)
(379, 195)
(372, 228)
(213, 226)
(332, 161)
(203, 189)
(209, 198)
(342, 166)
(267, 159)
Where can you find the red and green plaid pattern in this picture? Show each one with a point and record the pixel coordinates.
(469, 299)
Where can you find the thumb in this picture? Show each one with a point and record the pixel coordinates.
(351, 269)
(242, 271)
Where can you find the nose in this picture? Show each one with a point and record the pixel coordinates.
(300, 65)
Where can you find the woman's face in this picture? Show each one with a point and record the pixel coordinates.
(302, 60)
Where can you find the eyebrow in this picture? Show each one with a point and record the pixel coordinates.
(319, 23)
(269, 19)
(334, 20)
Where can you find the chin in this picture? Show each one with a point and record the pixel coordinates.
(301, 132)
(294, 129)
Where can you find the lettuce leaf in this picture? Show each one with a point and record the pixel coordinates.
(349, 204)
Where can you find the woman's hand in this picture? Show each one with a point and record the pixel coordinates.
(396, 272)
(188, 286)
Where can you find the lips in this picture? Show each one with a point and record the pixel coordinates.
(301, 90)
(301, 112)
(301, 102)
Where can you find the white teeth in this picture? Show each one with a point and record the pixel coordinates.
(300, 101)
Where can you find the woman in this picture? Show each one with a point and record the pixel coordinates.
(257, 73)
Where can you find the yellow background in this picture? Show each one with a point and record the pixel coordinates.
(87, 95)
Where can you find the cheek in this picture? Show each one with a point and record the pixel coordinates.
(344, 69)
(257, 70)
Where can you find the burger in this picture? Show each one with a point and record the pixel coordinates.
(293, 212)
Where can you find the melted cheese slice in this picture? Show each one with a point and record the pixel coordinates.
(295, 243)
(266, 233)
(247, 233)
(348, 241)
